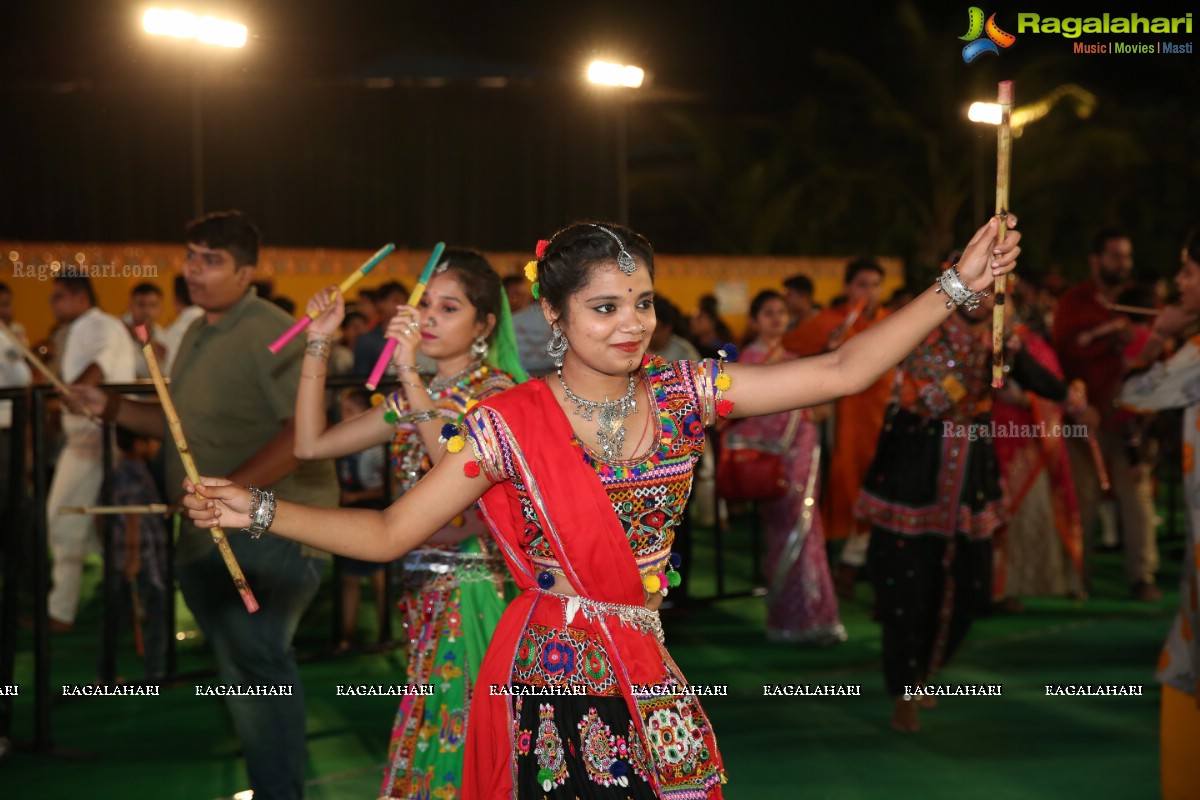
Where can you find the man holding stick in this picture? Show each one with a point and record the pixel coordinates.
(1096, 359)
(97, 350)
(248, 432)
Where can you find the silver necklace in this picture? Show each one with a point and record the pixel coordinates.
(610, 414)
(440, 384)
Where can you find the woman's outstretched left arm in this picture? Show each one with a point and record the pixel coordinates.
(863, 359)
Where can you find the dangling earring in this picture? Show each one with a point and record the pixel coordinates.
(557, 348)
(479, 348)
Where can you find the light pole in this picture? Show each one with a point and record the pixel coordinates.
(619, 77)
(179, 24)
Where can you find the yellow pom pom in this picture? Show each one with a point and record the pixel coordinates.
(531, 271)
(456, 443)
(724, 382)
(472, 403)
(652, 583)
(459, 521)
(376, 400)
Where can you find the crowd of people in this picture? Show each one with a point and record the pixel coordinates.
(533, 519)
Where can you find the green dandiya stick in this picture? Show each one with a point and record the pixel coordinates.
(389, 346)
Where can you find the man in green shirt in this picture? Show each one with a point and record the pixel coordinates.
(235, 401)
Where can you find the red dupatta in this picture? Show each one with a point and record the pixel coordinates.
(581, 528)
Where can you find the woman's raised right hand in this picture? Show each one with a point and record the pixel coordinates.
(328, 309)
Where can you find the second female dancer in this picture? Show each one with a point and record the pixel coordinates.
(453, 584)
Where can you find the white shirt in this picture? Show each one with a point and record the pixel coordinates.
(101, 339)
(14, 370)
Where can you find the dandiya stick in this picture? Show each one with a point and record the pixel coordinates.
(1146, 312)
(148, 508)
(1094, 444)
(344, 287)
(41, 367)
(853, 315)
(389, 346)
(189, 466)
(1003, 162)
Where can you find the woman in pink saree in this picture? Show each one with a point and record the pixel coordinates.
(802, 606)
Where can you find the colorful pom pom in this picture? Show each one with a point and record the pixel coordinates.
(729, 352)
(459, 521)
(620, 772)
(545, 579)
(723, 382)
(472, 403)
(531, 272)
(673, 578)
(537, 291)
(471, 469)
(675, 560)
(724, 407)
(456, 444)
(652, 583)
(376, 399)
(540, 250)
(390, 417)
(448, 430)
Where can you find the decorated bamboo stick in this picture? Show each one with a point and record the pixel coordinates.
(389, 346)
(41, 367)
(1003, 162)
(149, 508)
(189, 466)
(344, 287)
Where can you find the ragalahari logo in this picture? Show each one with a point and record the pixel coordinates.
(995, 40)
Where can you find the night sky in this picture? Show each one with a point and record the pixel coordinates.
(747, 65)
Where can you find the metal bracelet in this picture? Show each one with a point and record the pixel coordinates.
(952, 284)
(428, 415)
(262, 512)
(319, 348)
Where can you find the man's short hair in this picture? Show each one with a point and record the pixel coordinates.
(78, 284)
(861, 265)
(227, 230)
(801, 284)
(1102, 238)
(145, 287)
(388, 289)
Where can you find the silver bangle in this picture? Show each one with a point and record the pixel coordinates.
(428, 415)
(952, 284)
(262, 512)
(319, 348)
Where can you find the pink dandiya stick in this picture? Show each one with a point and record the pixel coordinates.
(389, 346)
(1003, 163)
(189, 466)
(344, 287)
